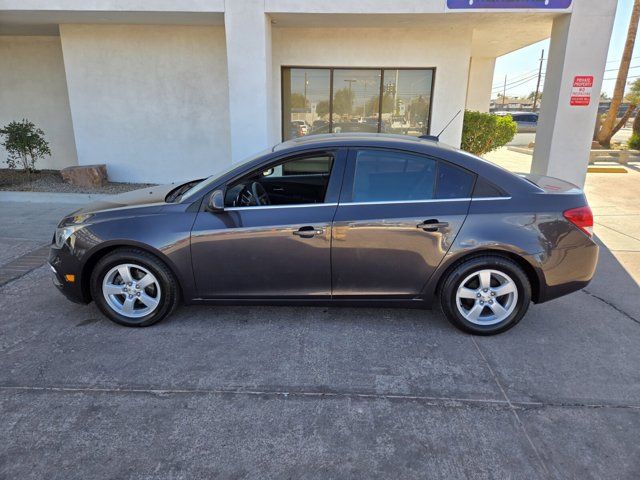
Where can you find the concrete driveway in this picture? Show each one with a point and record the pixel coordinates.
(230, 392)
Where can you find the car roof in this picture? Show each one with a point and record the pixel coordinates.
(429, 146)
(359, 139)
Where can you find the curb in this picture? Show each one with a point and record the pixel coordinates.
(525, 150)
(52, 197)
(607, 170)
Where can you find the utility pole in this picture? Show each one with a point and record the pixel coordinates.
(504, 91)
(535, 99)
(350, 81)
(306, 82)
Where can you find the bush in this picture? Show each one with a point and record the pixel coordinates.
(634, 142)
(25, 144)
(485, 132)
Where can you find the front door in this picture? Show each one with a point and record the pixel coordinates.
(274, 237)
(398, 215)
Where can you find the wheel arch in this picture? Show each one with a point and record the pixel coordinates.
(94, 256)
(533, 275)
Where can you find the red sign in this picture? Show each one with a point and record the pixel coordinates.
(581, 92)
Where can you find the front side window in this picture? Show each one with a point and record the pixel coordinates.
(303, 180)
(340, 100)
(385, 176)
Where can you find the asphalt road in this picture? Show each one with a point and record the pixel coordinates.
(254, 392)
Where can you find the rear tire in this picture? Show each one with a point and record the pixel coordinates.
(134, 288)
(485, 295)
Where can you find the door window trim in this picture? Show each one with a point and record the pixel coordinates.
(272, 207)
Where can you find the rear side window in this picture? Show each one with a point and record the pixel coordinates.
(453, 182)
(385, 176)
(486, 189)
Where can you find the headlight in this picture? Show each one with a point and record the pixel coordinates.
(63, 233)
(68, 226)
(74, 220)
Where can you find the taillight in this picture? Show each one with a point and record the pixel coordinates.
(582, 218)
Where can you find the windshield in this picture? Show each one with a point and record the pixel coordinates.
(207, 182)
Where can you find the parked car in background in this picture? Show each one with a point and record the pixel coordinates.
(352, 219)
(302, 126)
(527, 121)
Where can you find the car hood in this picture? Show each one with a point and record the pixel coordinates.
(135, 198)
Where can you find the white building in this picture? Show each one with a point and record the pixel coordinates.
(165, 90)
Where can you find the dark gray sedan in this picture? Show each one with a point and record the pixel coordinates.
(351, 219)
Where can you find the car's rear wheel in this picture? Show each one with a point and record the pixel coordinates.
(485, 295)
(133, 288)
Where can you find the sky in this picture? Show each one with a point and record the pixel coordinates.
(521, 66)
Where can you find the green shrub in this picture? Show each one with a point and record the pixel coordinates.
(485, 132)
(25, 144)
(634, 142)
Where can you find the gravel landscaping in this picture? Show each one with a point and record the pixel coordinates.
(51, 181)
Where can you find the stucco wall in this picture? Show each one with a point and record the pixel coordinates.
(480, 83)
(149, 101)
(446, 49)
(33, 86)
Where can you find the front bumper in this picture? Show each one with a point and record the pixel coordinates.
(63, 263)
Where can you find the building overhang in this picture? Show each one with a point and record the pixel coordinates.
(493, 34)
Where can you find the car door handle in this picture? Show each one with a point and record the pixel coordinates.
(308, 232)
(432, 225)
(277, 189)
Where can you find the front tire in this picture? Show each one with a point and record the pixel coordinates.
(485, 295)
(133, 288)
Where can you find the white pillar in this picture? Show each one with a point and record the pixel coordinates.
(248, 33)
(480, 83)
(579, 45)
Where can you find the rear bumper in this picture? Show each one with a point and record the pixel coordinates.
(62, 263)
(567, 270)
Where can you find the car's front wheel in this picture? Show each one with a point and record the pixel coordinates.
(485, 295)
(133, 288)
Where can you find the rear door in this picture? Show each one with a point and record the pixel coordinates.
(398, 215)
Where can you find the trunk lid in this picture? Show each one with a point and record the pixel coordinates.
(552, 185)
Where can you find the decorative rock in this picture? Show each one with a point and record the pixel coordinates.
(85, 175)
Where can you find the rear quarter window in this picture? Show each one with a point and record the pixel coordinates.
(485, 189)
(453, 182)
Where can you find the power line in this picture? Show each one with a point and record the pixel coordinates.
(617, 69)
(628, 78)
(523, 80)
(517, 78)
(516, 84)
(612, 61)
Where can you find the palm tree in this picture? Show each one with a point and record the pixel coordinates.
(609, 127)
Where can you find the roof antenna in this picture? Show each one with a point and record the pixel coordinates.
(437, 137)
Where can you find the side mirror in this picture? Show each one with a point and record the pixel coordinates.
(216, 201)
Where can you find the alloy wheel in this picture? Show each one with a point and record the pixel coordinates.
(487, 297)
(131, 290)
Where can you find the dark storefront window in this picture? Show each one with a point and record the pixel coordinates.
(340, 100)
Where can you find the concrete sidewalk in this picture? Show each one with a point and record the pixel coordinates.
(255, 392)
